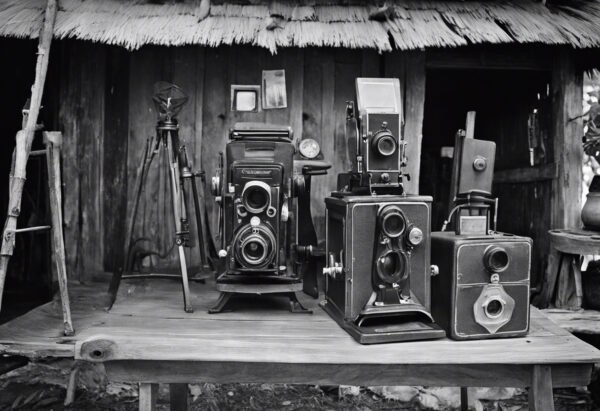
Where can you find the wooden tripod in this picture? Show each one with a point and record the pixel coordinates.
(18, 172)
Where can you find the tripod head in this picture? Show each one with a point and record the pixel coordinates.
(168, 99)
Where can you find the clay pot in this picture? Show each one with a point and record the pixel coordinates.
(590, 214)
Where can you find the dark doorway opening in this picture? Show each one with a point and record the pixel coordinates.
(29, 279)
(503, 101)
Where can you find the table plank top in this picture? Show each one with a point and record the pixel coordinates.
(577, 241)
(147, 322)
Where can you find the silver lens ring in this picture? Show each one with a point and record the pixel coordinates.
(385, 144)
(256, 196)
(254, 246)
(393, 222)
(493, 308)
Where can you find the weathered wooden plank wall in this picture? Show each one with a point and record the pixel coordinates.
(107, 114)
(81, 118)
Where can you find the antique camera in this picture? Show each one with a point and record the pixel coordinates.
(374, 137)
(255, 190)
(378, 271)
(377, 284)
(255, 195)
(482, 289)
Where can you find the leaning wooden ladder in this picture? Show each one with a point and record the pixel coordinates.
(18, 173)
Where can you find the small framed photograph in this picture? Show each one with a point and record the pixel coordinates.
(273, 88)
(245, 98)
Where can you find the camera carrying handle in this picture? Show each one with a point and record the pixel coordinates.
(261, 131)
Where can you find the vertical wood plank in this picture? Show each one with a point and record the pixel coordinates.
(70, 92)
(90, 151)
(567, 84)
(409, 68)
(540, 392)
(215, 115)
(312, 118)
(147, 397)
(114, 173)
(347, 68)
(323, 186)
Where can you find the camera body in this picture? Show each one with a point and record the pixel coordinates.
(374, 134)
(255, 196)
(378, 273)
(482, 290)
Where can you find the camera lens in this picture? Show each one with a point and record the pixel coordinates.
(391, 266)
(256, 196)
(496, 259)
(384, 144)
(494, 308)
(254, 250)
(254, 246)
(393, 222)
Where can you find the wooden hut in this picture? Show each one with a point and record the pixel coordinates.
(504, 59)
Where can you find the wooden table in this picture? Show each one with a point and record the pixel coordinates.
(562, 286)
(148, 338)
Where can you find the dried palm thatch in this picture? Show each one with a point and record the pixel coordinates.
(402, 24)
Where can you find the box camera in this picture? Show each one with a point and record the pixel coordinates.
(374, 137)
(378, 269)
(482, 289)
(255, 194)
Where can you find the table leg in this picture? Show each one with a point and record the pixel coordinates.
(178, 396)
(464, 399)
(540, 391)
(148, 394)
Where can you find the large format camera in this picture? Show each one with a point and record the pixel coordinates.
(255, 197)
(374, 137)
(267, 242)
(482, 290)
(378, 238)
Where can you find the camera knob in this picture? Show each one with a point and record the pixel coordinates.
(435, 270)
(385, 177)
(222, 253)
(215, 185)
(480, 163)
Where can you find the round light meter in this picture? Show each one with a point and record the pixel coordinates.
(309, 148)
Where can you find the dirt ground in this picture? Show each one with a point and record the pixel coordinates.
(38, 396)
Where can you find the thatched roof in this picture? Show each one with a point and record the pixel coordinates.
(401, 24)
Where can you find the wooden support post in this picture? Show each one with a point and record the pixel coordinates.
(72, 387)
(567, 86)
(540, 391)
(147, 397)
(53, 142)
(464, 391)
(24, 140)
(178, 397)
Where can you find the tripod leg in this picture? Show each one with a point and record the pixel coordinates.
(177, 198)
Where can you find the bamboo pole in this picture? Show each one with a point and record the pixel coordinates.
(24, 140)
